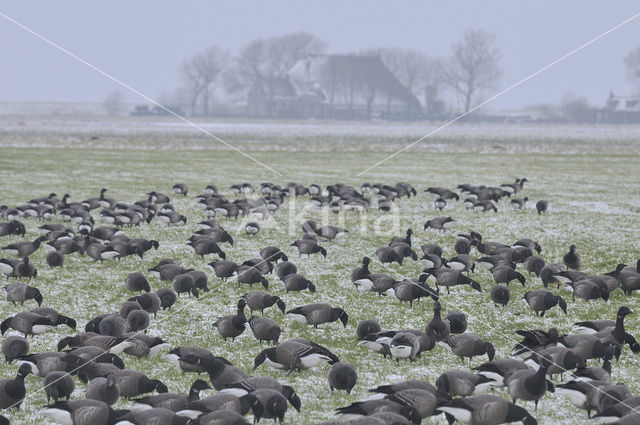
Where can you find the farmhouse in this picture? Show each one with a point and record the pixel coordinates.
(620, 110)
(334, 86)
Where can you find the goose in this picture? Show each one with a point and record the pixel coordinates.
(406, 239)
(486, 409)
(330, 233)
(529, 385)
(441, 192)
(252, 228)
(559, 359)
(403, 250)
(143, 345)
(49, 361)
(367, 327)
(250, 275)
(138, 320)
(80, 412)
(411, 384)
(620, 413)
(457, 321)
(25, 268)
(100, 252)
(450, 277)
(7, 265)
(27, 323)
(440, 328)
(297, 282)
(500, 295)
(144, 245)
(217, 234)
(224, 269)
(178, 355)
(440, 223)
(259, 300)
(24, 249)
(410, 291)
(173, 401)
(541, 300)
(519, 203)
(484, 206)
(499, 370)
(462, 246)
(505, 274)
(295, 354)
(372, 407)
(221, 417)
(55, 259)
(602, 374)
(20, 292)
(264, 329)
(133, 383)
(434, 249)
(66, 246)
(572, 259)
(535, 340)
(462, 262)
(490, 262)
(180, 189)
(253, 383)
(57, 385)
(167, 297)
(263, 266)
(432, 261)
(534, 264)
(137, 282)
(200, 279)
(12, 391)
(114, 345)
(380, 283)
(587, 289)
(14, 347)
(150, 302)
(423, 401)
(317, 314)
(470, 345)
(459, 382)
(542, 206)
(172, 217)
(307, 246)
(184, 283)
(594, 326)
(342, 376)
(206, 246)
(273, 254)
(360, 275)
(404, 345)
(13, 227)
(153, 416)
(232, 326)
(272, 405)
(217, 403)
(440, 203)
(221, 372)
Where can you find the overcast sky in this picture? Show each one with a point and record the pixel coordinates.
(143, 42)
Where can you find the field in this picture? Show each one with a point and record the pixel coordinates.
(589, 175)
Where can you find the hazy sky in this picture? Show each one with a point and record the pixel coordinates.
(143, 42)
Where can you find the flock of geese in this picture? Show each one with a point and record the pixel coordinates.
(96, 356)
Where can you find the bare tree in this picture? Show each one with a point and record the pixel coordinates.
(270, 57)
(632, 62)
(113, 103)
(199, 73)
(473, 66)
(576, 108)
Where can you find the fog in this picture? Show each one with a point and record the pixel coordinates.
(143, 43)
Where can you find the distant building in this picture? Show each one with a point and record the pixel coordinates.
(620, 110)
(334, 86)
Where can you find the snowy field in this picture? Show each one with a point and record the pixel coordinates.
(589, 175)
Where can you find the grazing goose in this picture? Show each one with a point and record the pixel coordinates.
(462, 246)
(542, 206)
(14, 347)
(505, 274)
(440, 328)
(308, 246)
(440, 223)
(271, 405)
(252, 228)
(13, 227)
(221, 372)
(259, 300)
(24, 249)
(431, 249)
(317, 314)
(404, 250)
(232, 326)
(459, 382)
(200, 280)
(500, 295)
(572, 259)
(410, 291)
(150, 302)
(221, 417)
(133, 383)
(528, 384)
(602, 374)
(486, 409)
(103, 389)
(262, 266)
(224, 269)
(153, 416)
(543, 300)
(519, 203)
(484, 206)
(295, 354)
(20, 292)
(27, 323)
(184, 283)
(366, 327)
(499, 370)
(342, 376)
(7, 265)
(440, 203)
(534, 264)
(206, 246)
(535, 340)
(167, 297)
(457, 322)
(264, 329)
(137, 282)
(55, 259)
(418, 384)
(490, 262)
(173, 401)
(12, 391)
(462, 262)
(172, 217)
(25, 268)
(408, 344)
(297, 282)
(80, 412)
(57, 385)
(180, 189)
(432, 261)
(441, 192)
(250, 275)
(273, 254)
(470, 345)
(559, 359)
(450, 277)
(373, 407)
(587, 289)
(379, 283)
(138, 320)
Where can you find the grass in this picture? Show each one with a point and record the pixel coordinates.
(593, 189)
